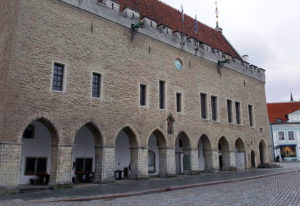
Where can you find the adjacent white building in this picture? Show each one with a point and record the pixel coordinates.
(285, 129)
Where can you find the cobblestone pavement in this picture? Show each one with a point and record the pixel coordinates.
(276, 190)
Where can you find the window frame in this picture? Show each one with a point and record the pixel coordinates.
(229, 113)
(216, 108)
(205, 106)
(238, 113)
(35, 165)
(279, 136)
(99, 85)
(179, 107)
(252, 115)
(289, 132)
(164, 107)
(145, 95)
(64, 78)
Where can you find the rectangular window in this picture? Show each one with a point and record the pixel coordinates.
(179, 102)
(250, 110)
(229, 110)
(35, 165)
(96, 85)
(84, 165)
(143, 90)
(161, 94)
(238, 112)
(291, 135)
(203, 101)
(281, 135)
(214, 108)
(58, 75)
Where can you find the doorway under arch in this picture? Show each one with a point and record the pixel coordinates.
(240, 154)
(262, 152)
(87, 143)
(36, 155)
(224, 154)
(126, 153)
(205, 154)
(182, 153)
(157, 161)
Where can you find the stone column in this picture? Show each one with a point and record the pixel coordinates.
(139, 163)
(104, 164)
(229, 162)
(167, 162)
(10, 153)
(194, 154)
(214, 156)
(61, 165)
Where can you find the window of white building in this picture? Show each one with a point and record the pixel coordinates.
(291, 135)
(281, 135)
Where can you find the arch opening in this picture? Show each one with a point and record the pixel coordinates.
(240, 154)
(157, 161)
(262, 152)
(36, 154)
(205, 154)
(182, 153)
(224, 154)
(125, 154)
(87, 143)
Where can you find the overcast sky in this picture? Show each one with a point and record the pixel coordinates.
(267, 30)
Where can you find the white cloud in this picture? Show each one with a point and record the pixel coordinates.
(268, 31)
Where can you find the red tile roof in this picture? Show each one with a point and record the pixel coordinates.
(280, 110)
(164, 14)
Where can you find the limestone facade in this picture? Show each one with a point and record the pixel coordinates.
(38, 34)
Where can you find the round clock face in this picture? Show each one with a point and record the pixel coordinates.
(178, 64)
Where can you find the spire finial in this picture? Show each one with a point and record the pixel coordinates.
(217, 17)
(292, 99)
(217, 14)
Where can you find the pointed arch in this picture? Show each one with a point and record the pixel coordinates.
(224, 153)
(183, 140)
(262, 151)
(133, 140)
(240, 154)
(36, 151)
(205, 153)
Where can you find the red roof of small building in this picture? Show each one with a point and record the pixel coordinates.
(166, 15)
(281, 110)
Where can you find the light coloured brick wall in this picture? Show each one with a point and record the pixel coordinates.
(8, 17)
(51, 31)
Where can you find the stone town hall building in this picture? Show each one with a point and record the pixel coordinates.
(83, 92)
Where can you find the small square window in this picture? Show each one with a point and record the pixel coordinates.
(291, 135)
(29, 132)
(281, 136)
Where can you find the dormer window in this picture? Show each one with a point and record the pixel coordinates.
(167, 31)
(112, 5)
(278, 120)
(151, 23)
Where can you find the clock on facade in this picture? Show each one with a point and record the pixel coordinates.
(178, 64)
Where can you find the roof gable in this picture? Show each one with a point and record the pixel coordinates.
(281, 110)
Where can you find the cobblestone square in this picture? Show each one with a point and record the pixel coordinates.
(277, 190)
